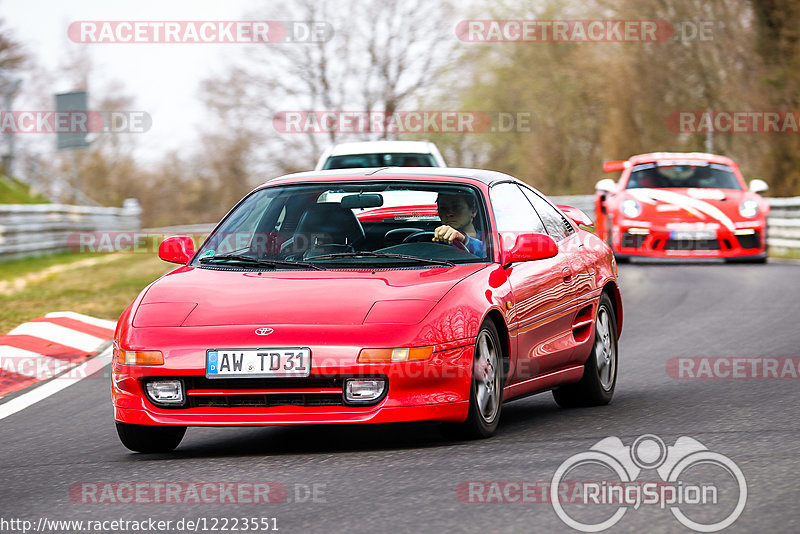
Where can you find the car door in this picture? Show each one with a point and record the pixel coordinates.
(583, 279)
(541, 292)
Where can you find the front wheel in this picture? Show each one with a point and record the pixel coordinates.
(150, 438)
(486, 388)
(600, 371)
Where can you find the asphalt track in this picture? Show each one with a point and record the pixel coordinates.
(405, 478)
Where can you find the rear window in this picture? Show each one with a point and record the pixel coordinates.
(386, 159)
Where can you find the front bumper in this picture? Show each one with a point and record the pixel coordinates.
(660, 242)
(433, 390)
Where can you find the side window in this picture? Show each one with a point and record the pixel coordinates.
(557, 226)
(512, 211)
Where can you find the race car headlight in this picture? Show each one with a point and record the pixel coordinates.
(394, 355)
(631, 208)
(748, 208)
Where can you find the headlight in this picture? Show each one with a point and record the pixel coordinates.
(631, 208)
(748, 208)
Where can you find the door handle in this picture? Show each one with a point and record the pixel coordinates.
(567, 274)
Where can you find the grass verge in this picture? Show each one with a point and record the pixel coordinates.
(784, 253)
(20, 267)
(102, 290)
(13, 191)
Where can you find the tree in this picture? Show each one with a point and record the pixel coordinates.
(596, 101)
(381, 56)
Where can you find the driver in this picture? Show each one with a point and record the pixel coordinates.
(457, 212)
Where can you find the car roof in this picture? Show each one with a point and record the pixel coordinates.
(376, 147)
(477, 175)
(681, 156)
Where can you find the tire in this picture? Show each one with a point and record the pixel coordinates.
(150, 438)
(596, 387)
(486, 388)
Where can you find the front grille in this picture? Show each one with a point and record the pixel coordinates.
(202, 392)
(632, 240)
(264, 401)
(749, 241)
(691, 244)
(201, 382)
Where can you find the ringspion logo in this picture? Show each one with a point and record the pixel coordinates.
(704, 490)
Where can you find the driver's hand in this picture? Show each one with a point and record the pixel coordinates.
(448, 234)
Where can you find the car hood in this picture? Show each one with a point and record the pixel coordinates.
(192, 296)
(719, 206)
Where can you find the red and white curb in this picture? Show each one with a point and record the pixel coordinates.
(51, 346)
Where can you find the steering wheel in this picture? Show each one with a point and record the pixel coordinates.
(426, 236)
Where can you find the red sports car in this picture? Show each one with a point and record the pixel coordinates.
(375, 295)
(682, 205)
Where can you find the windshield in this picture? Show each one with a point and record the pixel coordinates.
(380, 160)
(676, 174)
(350, 225)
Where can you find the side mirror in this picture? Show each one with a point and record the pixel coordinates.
(757, 186)
(176, 249)
(578, 216)
(607, 185)
(529, 247)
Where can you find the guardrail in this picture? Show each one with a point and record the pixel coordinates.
(34, 229)
(783, 230)
(783, 222)
(31, 229)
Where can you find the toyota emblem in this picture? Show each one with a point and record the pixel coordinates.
(264, 331)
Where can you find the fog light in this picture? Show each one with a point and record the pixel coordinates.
(359, 391)
(165, 391)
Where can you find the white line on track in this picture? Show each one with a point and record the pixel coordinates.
(105, 323)
(55, 385)
(59, 334)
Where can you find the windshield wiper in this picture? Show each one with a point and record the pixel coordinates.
(368, 254)
(239, 258)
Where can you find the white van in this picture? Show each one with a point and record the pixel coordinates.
(381, 154)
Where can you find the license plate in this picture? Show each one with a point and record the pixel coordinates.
(254, 363)
(692, 235)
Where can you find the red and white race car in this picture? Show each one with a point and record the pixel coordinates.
(682, 205)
